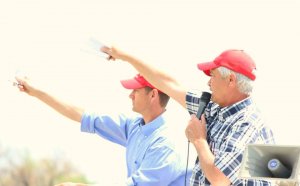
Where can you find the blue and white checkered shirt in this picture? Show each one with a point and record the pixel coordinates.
(229, 129)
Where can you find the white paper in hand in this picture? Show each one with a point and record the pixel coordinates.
(93, 47)
(18, 73)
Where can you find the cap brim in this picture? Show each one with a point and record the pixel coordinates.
(131, 84)
(206, 67)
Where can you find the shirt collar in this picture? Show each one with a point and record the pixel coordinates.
(150, 127)
(232, 109)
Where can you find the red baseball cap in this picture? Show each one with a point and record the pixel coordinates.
(137, 82)
(236, 60)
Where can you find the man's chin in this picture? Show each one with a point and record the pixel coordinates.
(212, 98)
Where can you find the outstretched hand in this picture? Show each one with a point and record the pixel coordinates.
(113, 53)
(25, 85)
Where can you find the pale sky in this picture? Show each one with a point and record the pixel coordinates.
(43, 39)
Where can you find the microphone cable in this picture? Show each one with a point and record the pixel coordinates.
(187, 162)
(203, 101)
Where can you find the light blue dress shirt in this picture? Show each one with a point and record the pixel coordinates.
(150, 155)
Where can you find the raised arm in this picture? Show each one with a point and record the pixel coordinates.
(70, 111)
(155, 76)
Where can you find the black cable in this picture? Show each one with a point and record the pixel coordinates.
(187, 162)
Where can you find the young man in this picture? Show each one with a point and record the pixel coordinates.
(231, 119)
(150, 155)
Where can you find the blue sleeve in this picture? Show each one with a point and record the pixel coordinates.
(160, 167)
(114, 129)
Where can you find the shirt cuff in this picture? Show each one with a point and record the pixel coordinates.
(229, 164)
(129, 182)
(88, 123)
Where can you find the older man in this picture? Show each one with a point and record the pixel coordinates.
(231, 120)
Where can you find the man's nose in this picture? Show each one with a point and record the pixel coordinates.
(131, 95)
(208, 83)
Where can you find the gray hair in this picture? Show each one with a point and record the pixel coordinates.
(245, 85)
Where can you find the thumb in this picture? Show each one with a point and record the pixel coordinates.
(193, 116)
(105, 49)
(19, 79)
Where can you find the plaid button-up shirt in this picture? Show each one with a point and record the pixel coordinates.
(229, 129)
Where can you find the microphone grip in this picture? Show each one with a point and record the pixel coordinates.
(201, 109)
(204, 99)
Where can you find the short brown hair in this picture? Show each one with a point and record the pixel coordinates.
(163, 98)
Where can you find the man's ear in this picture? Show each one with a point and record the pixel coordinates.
(232, 79)
(154, 92)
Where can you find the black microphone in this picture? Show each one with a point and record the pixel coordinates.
(204, 100)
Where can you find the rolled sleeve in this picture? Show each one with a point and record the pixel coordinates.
(129, 182)
(192, 100)
(229, 163)
(112, 128)
(229, 158)
(87, 123)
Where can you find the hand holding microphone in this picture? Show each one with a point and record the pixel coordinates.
(196, 128)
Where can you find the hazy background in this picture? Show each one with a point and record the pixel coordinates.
(43, 39)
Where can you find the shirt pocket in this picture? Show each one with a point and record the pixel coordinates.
(218, 143)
